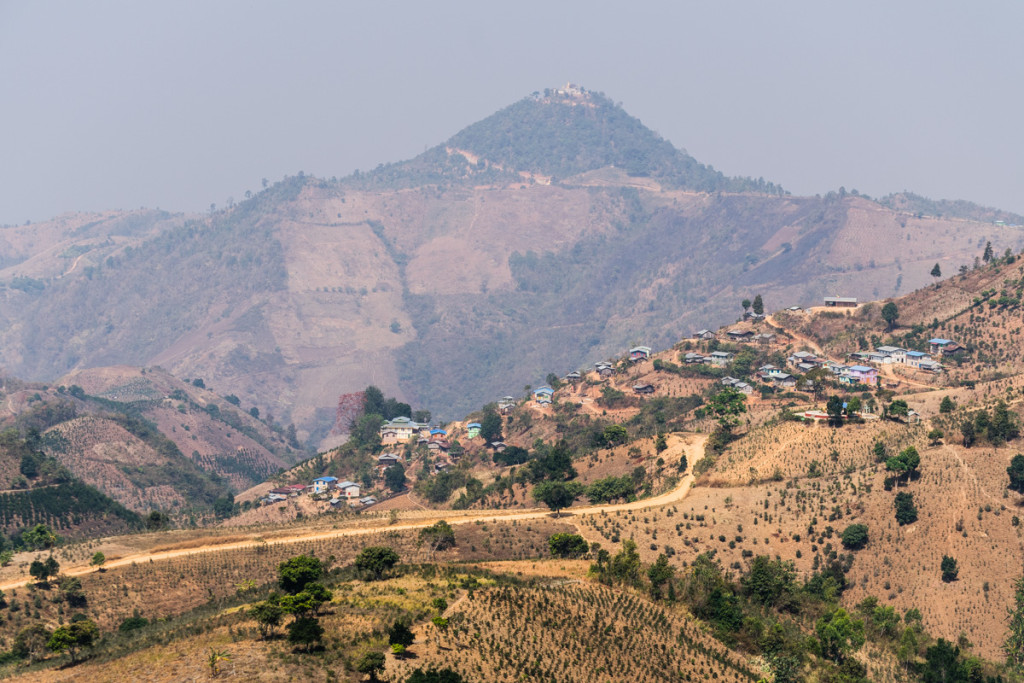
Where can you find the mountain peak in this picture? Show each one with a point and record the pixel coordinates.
(555, 135)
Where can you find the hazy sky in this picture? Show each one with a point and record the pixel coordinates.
(180, 104)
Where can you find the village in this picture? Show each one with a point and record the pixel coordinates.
(706, 354)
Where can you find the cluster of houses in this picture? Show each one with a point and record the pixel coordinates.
(921, 360)
(343, 492)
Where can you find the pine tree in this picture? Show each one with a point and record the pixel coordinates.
(758, 305)
(987, 256)
(936, 271)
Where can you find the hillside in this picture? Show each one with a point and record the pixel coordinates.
(452, 278)
(146, 439)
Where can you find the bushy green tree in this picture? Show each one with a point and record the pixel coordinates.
(400, 634)
(73, 637)
(890, 314)
(437, 537)
(659, 574)
(296, 573)
(305, 631)
(906, 512)
(491, 424)
(758, 305)
(950, 569)
(946, 405)
(394, 477)
(376, 560)
(371, 663)
(267, 615)
(855, 536)
(1016, 473)
(567, 545)
(557, 495)
(770, 582)
(839, 634)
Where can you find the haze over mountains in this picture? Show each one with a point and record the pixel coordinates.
(544, 237)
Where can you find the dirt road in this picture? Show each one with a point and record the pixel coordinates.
(690, 444)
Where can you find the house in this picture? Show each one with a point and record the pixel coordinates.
(795, 309)
(691, 358)
(399, 430)
(750, 315)
(739, 335)
(784, 380)
(335, 502)
(604, 368)
(322, 484)
(803, 357)
(728, 381)
(946, 347)
(720, 358)
(915, 358)
(573, 377)
(639, 353)
(506, 404)
(289, 491)
(472, 430)
(930, 366)
(860, 374)
(367, 501)
(743, 388)
(497, 446)
(769, 370)
(274, 498)
(893, 354)
(764, 338)
(643, 388)
(543, 393)
(349, 489)
(388, 459)
(805, 367)
(841, 301)
(704, 334)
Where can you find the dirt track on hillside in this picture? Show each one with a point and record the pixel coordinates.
(692, 445)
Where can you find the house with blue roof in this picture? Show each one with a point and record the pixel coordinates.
(543, 394)
(324, 484)
(914, 358)
(472, 430)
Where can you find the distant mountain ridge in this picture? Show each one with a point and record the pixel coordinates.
(545, 237)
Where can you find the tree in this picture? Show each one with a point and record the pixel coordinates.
(834, 408)
(839, 634)
(566, 545)
(936, 271)
(98, 560)
(950, 569)
(42, 570)
(905, 464)
(296, 573)
(745, 304)
(1016, 473)
(400, 634)
(615, 434)
(74, 636)
(935, 436)
(438, 536)
(214, 659)
(268, 617)
(39, 537)
(31, 641)
(898, 408)
(943, 664)
(968, 433)
(71, 591)
(371, 663)
(879, 452)
(557, 494)
(906, 512)
(660, 444)
(987, 255)
(305, 631)
(770, 582)
(758, 306)
(376, 560)
(727, 404)
(855, 536)
(890, 313)
(491, 424)
(394, 477)
(1014, 645)
(946, 405)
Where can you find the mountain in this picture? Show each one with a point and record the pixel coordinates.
(545, 237)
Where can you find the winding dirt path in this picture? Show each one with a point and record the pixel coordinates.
(690, 444)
